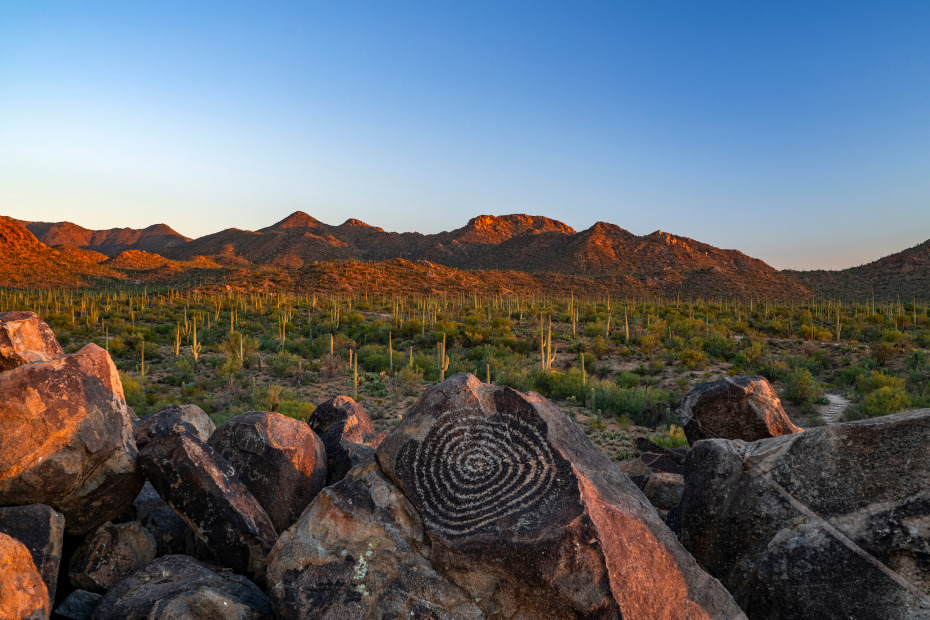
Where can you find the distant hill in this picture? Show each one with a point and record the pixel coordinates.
(155, 238)
(905, 274)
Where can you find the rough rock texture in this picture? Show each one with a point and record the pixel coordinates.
(744, 408)
(203, 488)
(171, 533)
(523, 512)
(279, 459)
(174, 418)
(22, 591)
(42, 530)
(146, 501)
(356, 553)
(831, 523)
(79, 605)
(109, 555)
(178, 586)
(24, 338)
(664, 491)
(66, 439)
(341, 422)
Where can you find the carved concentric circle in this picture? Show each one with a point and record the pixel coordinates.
(472, 473)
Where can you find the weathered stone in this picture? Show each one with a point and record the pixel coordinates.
(79, 605)
(203, 488)
(356, 553)
(743, 407)
(172, 534)
(66, 439)
(525, 514)
(22, 591)
(643, 446)
(109, 555)
(146, 501)
(830, 523)
(174, 418)
(664, 491)
(178, 586)
(279, 459)
(339, 422)
(42, 530)
(24, 338)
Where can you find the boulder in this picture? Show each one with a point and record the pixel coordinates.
(174, 418)
(42, 530)
(830, 523)
(172, 534)
(279, 459)
(146, 501)
(110, 554)
(179, 587)
(342, 423)
(357, 552)
(664, 491)
(203, 488)
(22, 591)
(66, 439)
(743, 407)
(79, 605)
(24, 338)
(527, 516)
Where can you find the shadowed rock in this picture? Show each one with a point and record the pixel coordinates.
(203, 488)
(744, 408)
(66, 439)
(179, 587)
(42, 530)
(24, 338)
(146, 501)
(171, 533)
(109, 555)
(830, 523)
(174, 418)
(279, 459)
(79, 605)
(22, 591)
(340, 422)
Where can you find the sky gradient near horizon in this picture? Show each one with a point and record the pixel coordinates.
(796, 132)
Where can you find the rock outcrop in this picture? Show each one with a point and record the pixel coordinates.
(42, 530)
(743, 407)
(24, 338)
(279, 459)
(66, 440)
(203, 488)
(110, 554)
(174, 418)
(830, 523)
(342, 424)
(22, 591)
(178, 587)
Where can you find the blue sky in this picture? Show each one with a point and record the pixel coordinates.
(797, 132)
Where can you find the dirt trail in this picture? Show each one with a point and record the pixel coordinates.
(833, 412)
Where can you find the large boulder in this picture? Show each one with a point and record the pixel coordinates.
(22, 591)
(174, 418)
(109, 554)
(24, 338)
(743, 407)
(203, 488)
(831, 523)
(66, 439)
(357, 552)
(178, 587)
(42, 530)
(279, 459)
(343, 424)
(523, 513)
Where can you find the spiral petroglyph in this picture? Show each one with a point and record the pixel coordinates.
(474, 472)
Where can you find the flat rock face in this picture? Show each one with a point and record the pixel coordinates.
(178, 586)
(203, 488)
(523, 512)
(24, 338)
(744, 408)
(341, 422)
(42, 530)
(66, 439)
(356, 553)
(831, 523)
(22, 591)
(279, 459)
(174, 418)
(110, 554)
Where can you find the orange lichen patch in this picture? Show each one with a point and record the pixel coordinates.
(22, 591)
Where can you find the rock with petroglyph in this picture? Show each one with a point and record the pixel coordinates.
(174, 419)
(66, 439)
(109, 554)
(343, 424)
(830, 523)
(744, 407)
(42, 529)
(279, 459)
(22, 592)
(24, 338)
(522, 512)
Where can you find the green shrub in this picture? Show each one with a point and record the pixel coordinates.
(885, 400)
(800, 386)
(284, 364)
(870, 381)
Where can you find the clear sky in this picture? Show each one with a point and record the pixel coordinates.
(797, 132)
